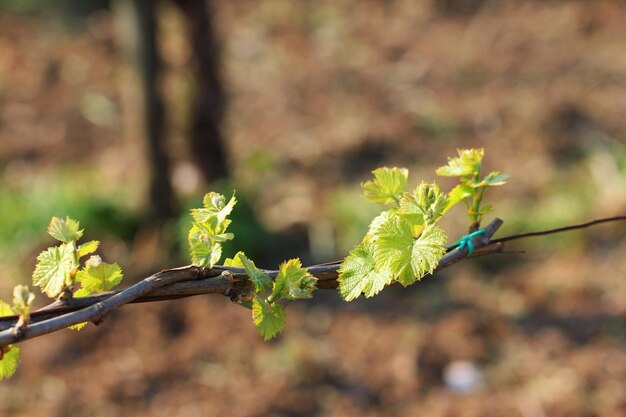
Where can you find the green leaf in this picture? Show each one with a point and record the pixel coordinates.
(467, 163)
(11, 357)
(87, 248)
(387, 186)
(428, 249)
(204, 251)
(98, 276)
(458, 194)
(9, 362)
(65, 230)
(293, 282)
(215, 209)
(269, 319)
(260, 280)
(235, 261)
(406, 258)
(495, 179)
(358, 274)
(209, 229)
(54, 265)
(425, 206)
(393, 249)
(377, 223)
(22, 300)
(222, 237)
(5, 309)
(80, 293)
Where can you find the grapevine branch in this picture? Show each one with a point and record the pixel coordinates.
(184, 282)
(232, 282)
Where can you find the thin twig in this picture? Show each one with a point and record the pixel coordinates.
(559, 229)
(185, 282)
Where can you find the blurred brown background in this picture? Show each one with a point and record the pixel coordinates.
(293, 103)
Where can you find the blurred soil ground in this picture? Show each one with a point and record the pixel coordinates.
(321, 93)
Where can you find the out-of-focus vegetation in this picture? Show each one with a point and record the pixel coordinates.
(320, 93)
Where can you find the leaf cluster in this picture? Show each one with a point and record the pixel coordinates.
(59, 268)
(404, 242)
(293, 282)
(57, 272)
(470, 190)
(208, 230)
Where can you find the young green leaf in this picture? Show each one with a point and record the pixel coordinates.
(467, 163)
(209, 229)
(204, 251)
(393, 249)
(215, 209)
(428, 249)
(22, 300)
(293, 282)
(425, 205)
(9, 355)
(65, 230)
(459, 193)
(54, 265)
(387, 186)
(408, 259)
(358, 274)
(98, 276)
(260, 280)
(9, 362)
(494, 179)
(87, 248)
(269, 319)
(377, 223)
(235, 261)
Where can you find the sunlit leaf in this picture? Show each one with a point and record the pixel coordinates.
(358, 274)
(53, 269)
(293, 282)
(495, 179)
(11, 357)
(408, 259)
(260, 280)
(458, 194)
(392, 251)
(98, 276)
(215, 210)
(209, 229)
(205, 250)
(387, 186)
(425, 205)
(87, 248)
(467, 163)
(377, 222)
(428, 249)
(66, 231)
(269, 319)
(22, 300)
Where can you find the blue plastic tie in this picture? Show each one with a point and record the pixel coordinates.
(467, 242)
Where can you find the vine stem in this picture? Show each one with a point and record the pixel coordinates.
(559, 229)
(187, 281)
(232, 282)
